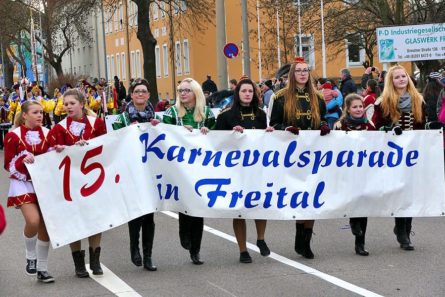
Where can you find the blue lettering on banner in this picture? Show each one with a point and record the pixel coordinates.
(255, 199)
(393, 156)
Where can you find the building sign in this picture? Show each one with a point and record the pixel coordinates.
(411, 43)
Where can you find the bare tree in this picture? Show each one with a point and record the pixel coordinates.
(278, 21)
(184, 16)
(63, 23)
(345, 18)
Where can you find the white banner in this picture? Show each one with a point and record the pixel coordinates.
(142, 169)
(411, 43)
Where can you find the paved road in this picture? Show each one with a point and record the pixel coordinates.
(335, 271)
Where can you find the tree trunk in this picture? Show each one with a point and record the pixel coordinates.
(58, 68)
(148, 44)
(8, 67)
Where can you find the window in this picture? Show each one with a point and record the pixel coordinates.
(133, 73)
(165, 59)
(162, 8)
(121, 16)
(112, 68)
(135, 12)
(155, 10)
(124, 66)
(183, 5)
(185, 48)
(158, 61)
(175, 7)
(138, 63)
(178, 58)
(118, 65)
(307, 46)
(108, 67)
(116, 20)
(106, 21)
(355, 53)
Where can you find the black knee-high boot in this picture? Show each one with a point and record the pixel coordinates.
(148, 233)
(356, 227)
(197, 227)
(134, 227)
(360, 239)
(299, 238)
(307, 252)
(184, 231)
(408, 222)
(402, 236)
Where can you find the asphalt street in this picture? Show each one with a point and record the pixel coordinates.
(335, 271)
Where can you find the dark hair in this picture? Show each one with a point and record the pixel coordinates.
(139, 82)
(382, 75)
(255, 99)
(432, 89)
(322, 80)
(233, 81)
(374, 86)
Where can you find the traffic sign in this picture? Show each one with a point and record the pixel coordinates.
(231, 50)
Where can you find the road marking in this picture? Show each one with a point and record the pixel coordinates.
(309, 270)
(222, 289)
(113, 283)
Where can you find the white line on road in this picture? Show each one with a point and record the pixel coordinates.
(329, 278)
(111, 282)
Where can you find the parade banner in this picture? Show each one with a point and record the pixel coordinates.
(411, 43)
(225, 174)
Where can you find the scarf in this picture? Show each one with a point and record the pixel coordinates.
(405, 102)
(350, 121)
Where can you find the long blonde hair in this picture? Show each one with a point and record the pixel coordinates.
(200, 103)
(292, 106)
(18, 119)
(390, 97)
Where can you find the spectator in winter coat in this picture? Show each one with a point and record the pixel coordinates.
(209, 85)
(347, 84)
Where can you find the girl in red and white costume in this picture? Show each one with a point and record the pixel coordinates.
(27, 140)
(77, 128)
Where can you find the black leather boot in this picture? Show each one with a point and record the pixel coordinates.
(197, 227)
(79, 264)
(402, 236)
(299, 238)
(134, 227)
(408, 223)
(95, 261)
(356, 227)
(184, 231)
(307, 252)
(148, 233)
(360, 246)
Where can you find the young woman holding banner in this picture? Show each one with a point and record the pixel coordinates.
(300, 107)
(27, 140)
(245, 113)
(401, 107)
(76, 129)
(191, 112)
(140, 110)
(354, 119)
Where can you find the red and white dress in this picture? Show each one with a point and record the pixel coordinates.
(19, 143)
(69, 131)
